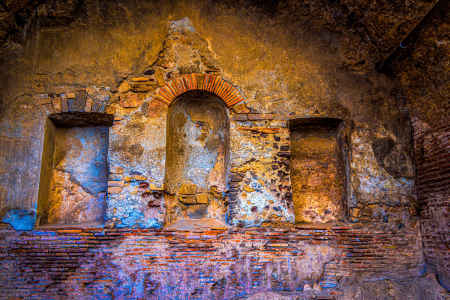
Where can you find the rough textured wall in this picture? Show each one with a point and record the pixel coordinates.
(341, 262)
(421, 67)
(134, 57)
(363, 33)
(433, 189)
(198, 156)
(79, 177)
(18, 168)
(317, 173)
(291, 61)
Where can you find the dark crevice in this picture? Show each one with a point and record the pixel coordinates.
(81, 119)
(407, 45)
(3, 5)
(314, 122)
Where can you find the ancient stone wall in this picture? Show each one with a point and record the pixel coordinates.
(318, 177)
(259, 139)
(198, 158)
(78, 179)
(432, 150)
(421, 67)
(214, 264)
(132, 61)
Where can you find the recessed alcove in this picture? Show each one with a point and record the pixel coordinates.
(74, 170)
(318, 169)
(197, 159)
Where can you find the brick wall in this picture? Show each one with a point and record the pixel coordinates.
(79, 263)
(432, 150)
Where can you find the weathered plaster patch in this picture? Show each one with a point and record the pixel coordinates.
(20, 219)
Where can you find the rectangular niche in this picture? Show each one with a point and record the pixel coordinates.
(318, 169)
(74, 172)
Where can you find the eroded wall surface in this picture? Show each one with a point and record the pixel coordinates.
(317, 174)
(198, 155)
(116, 58)
(79, 176)
(326, 263)
(421, 67)
(260, 64)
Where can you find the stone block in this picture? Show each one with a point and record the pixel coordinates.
(143, 84)
(239, 117)
(355, 212)
(115, 183)
(241, 108)
(117, 170)
(248, 189)
(142, 79)
(259, 117)
(57, 105)
(89, 105)
(44, 99)
(202, 198)
(187, 199)
(130, 100)
(187, 189)
(114, 189)
(156, 188)
(265, 130)
(124, 87)
(139, 177)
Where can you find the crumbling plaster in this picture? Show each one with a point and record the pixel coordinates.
(275, 91)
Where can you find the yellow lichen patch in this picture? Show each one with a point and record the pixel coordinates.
(248, 189)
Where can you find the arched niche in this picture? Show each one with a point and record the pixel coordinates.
(213, 84)
(319, 167)
(197, 159)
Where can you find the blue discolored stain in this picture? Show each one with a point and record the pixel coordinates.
(137, 218)
(328, 285)
(299, 288)
(88, 168)
(49, 233)
(20, 219)
(100, 233)
(443, 282)
(423, 270)
(256, 185)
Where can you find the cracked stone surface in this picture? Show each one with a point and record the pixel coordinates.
(380, 67)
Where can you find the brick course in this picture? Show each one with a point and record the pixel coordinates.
(432, 151)
(83, 262)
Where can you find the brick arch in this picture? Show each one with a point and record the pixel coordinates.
(204, 82)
